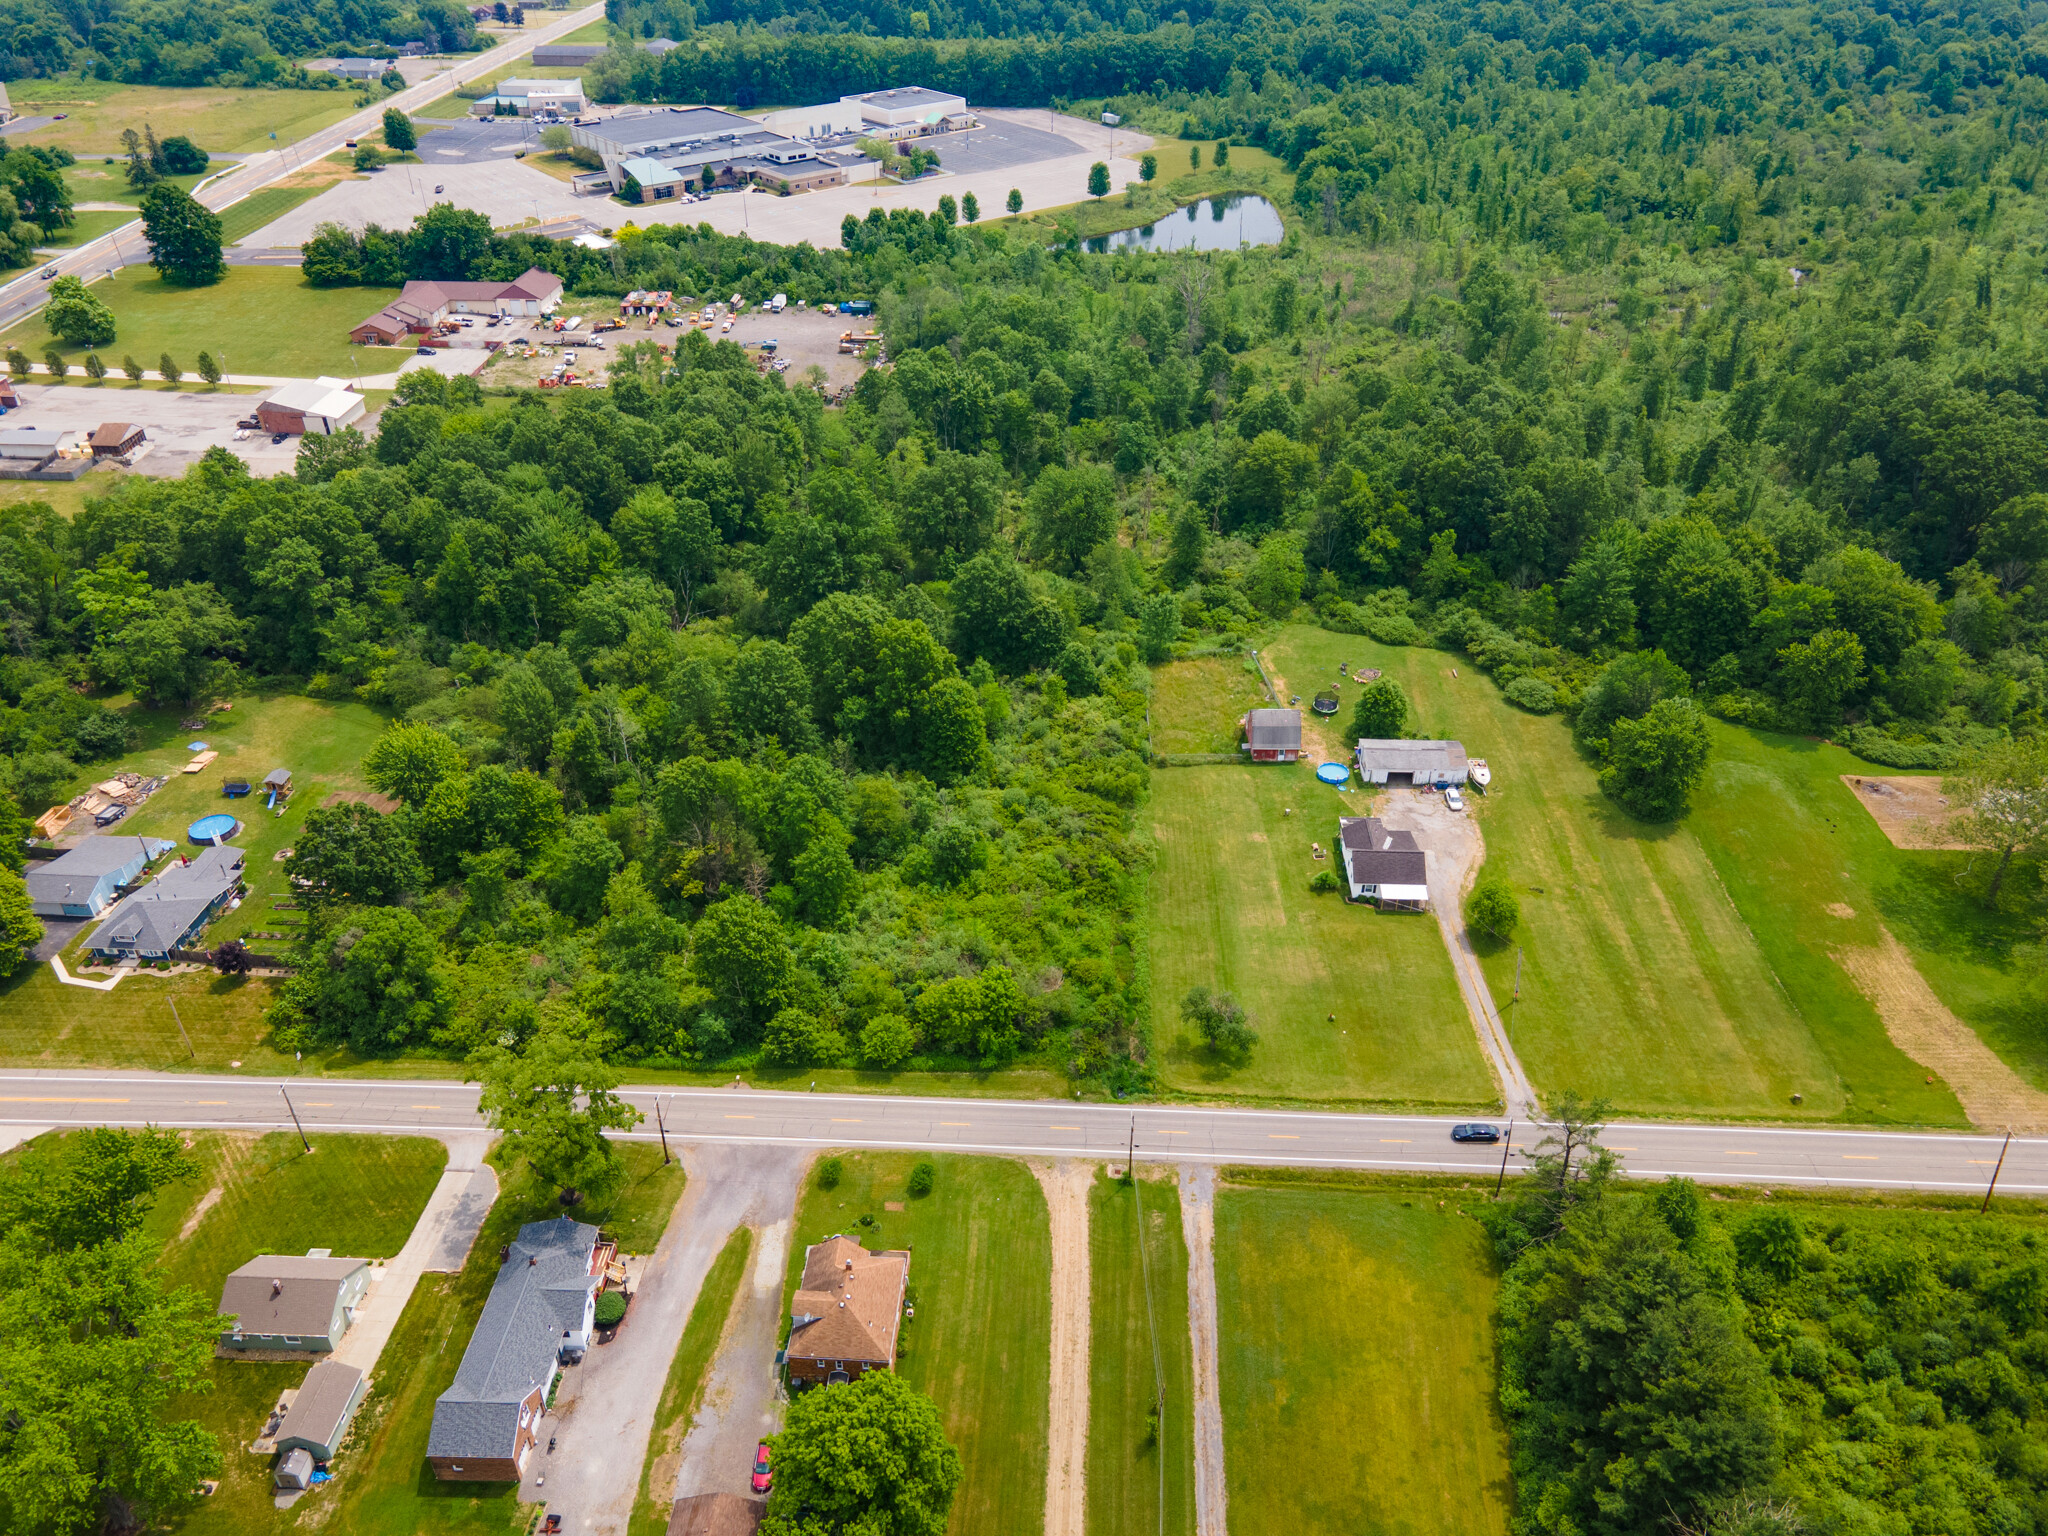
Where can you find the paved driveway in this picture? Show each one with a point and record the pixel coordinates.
(605, 1411)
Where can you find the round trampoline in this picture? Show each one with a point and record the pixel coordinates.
(215, 828)
(1333, 773)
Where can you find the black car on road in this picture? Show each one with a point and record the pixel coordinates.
(1475, 1132)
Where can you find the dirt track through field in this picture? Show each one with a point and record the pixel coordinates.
(1066, 1186)
(1198, 1230)
(1920, 1024)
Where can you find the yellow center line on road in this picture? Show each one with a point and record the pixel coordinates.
(739, 1117)
(1395, 1141)
(1622, 1149)
(1984, 1162)
(1859, 1157)
(318, 1103)
(206, 1101)
(837, 1121)
(1726, 1153)
(48, 1099)
(1066, 1127)
(1176, 1133)
(1283, 1138)
(426, 1106)
(958, 1124)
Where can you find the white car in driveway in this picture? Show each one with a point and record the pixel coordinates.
(1453, 799)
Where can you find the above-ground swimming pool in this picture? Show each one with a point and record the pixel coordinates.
(1333, 773)
(209, 828)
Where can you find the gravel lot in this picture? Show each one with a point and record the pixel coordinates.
(181, 426)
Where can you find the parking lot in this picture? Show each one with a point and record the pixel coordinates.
(180, 426)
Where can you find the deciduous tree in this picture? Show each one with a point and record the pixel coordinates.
(867, 1459)
(553, 1102)
(2000, 796)
(184, 237)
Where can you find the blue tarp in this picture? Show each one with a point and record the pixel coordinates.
(195, 746)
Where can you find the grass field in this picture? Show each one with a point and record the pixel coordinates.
(256, 320)
(259, 208)
(226, 119)
(1196, 704)
(1815, 876)
(358, 1195)
(1679, 969)
(87, 227)
(1357, 1366)
(95, 181)
(684, 1388)
(392, 1492)
(981, 1345)
(1231, 908)
(1139, 1303)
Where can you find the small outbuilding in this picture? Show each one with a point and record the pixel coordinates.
(311, 405)
(1438, 763)
(294, 1470)
(1272, 735)
(319, 1417)
(115, 438)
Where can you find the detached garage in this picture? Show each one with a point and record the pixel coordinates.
(315, 405)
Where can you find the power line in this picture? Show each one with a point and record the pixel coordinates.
(1151, 1317)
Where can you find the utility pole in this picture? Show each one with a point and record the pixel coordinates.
(1131, 1156)
(1518, 974)
(663, 1125)
(1995, 1173)
(1503, 1176)
(295, 1118)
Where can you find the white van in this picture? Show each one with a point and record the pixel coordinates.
(778, 303)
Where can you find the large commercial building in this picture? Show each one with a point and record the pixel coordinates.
(666, 152)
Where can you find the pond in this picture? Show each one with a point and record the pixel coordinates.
(1214, 224)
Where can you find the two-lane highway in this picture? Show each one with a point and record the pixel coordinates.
(1768, 1155)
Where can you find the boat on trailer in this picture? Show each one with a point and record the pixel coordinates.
(1479, 773)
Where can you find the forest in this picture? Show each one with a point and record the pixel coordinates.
(1671, 1361)
(217, 42)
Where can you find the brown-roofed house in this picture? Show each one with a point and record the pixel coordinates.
(115, 438)
(1383, 864)
(424, 304)
(847, 1311)
(716, 1514)
(298, 1305)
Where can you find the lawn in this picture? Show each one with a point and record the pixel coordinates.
(684, 1388)
(1231, 909)
(359, 1195)
(1357, 1365)
(393, 1493)
(242, 220)
(104, 181)
(1196, 704)
(86, 228)
(266, 321)
(1816, 878)
(1642, 981)
(226, 119)
(981, 1345)
(1140, 1304)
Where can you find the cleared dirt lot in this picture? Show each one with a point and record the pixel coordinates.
(1911, 809)
(181, 426)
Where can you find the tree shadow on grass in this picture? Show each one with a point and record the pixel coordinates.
(1617, 826)
(1935, 903)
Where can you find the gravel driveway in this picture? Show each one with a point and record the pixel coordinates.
(605, 1410)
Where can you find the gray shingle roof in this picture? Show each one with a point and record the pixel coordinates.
(1273, 730)
(322, 1407)
(83, 865)
(160, 914)
(1420, 758)
(541, 1293)
(1381, 855)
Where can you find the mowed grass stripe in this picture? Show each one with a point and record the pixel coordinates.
(1123, 1458)
(1357, 1366)
(981, 1344)
(1640, 981)
(1231, 909)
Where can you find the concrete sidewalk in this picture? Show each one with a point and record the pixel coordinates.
(440, 1243)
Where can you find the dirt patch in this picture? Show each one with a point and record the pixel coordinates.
(321, 173)
(1198, 1230)
(1913, 812)
(1839, 909)
(383, 804)
(1066, 1187)
(1920, 1024)
(206, 1203)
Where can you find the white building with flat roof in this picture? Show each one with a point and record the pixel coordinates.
(909, 110)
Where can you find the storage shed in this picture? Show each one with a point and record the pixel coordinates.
(320, 1414)
(1272, 735)
(115, 438)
